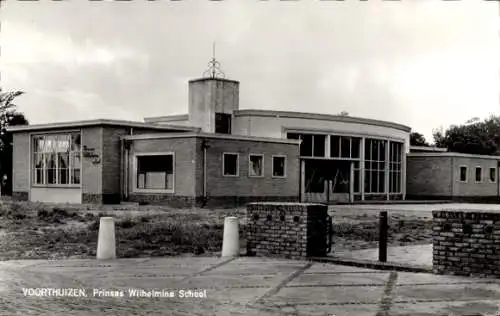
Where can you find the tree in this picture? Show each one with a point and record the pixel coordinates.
(417, 139)
(472, 137)
(8, 117)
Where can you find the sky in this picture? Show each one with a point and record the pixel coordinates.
(423, 63)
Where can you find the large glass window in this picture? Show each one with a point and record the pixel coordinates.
(155, 172)
(57, 159)
(375, 158)
(344, 146)
(395, 160)
(312, 145)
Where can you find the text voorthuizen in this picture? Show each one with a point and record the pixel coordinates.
(80, 292)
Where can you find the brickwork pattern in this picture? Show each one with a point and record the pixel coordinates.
(288, 230)
(466, 243)
(20, 195)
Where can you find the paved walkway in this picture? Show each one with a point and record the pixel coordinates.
(244, 286)
(419, 255)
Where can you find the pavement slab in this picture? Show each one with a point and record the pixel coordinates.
(241, 286)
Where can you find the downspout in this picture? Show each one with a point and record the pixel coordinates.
(204, 173)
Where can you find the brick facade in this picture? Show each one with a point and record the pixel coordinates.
(289, 230)
(466, 243)
(438, 177)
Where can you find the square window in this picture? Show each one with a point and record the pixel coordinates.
(230, 164)
(279, 166)
(463, 174)
(155, 172)
(256, 165)
(223, 123)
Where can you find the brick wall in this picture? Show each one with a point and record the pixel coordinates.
(243, 185)
(466, 243)
(21, 164)
(92, 167)
(185, 179)
(428, 176)
(289, 230)
(472, 188)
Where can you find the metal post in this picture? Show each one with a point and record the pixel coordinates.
(382, 246)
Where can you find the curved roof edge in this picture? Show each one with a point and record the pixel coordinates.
(324, 117)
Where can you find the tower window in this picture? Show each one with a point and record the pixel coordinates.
(223, 123)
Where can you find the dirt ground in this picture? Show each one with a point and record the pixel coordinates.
(38, 231)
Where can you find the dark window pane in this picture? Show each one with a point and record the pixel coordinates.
(306, 145)
(279, 166)
(493, 174)
(319, 145)
(356, 181)
(381, 181)
(463, 173)
(75, 142)
(368, 149)
(479, 174)
(75, 177)
(345, 147)
(382, 145)
(63, 176)
(51, 176)
(155, 172)
(368, 181)
(334, 146)
(292, 136)
(223, 123)
(355, 147)
(230, 164)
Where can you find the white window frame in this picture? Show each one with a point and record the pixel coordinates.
(250, 165)
(495, 173)
(237, 165)
(475, 174)
(284, 167)
(32, 173)
(466, 174)
(135, 174)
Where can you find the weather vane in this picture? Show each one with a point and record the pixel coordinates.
(213, 70)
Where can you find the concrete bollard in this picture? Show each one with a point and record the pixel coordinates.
(231, 241)
(106, 246)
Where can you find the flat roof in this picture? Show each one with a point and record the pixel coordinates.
(213, 136)
(167, 118)
(73, 124)
(324, 117)
(428, 149)
(451, 154)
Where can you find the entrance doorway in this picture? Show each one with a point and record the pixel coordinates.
(327, 181)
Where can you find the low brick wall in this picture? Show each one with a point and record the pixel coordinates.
(466, 242)
(287, 230)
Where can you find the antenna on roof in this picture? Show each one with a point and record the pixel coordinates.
(213, 71)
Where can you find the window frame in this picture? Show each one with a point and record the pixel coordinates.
(475, 174)
(250, 165)
(466, 174)
(70, 169)
(135, 174)
(284, 166)
(495, 169)
(237, 165)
